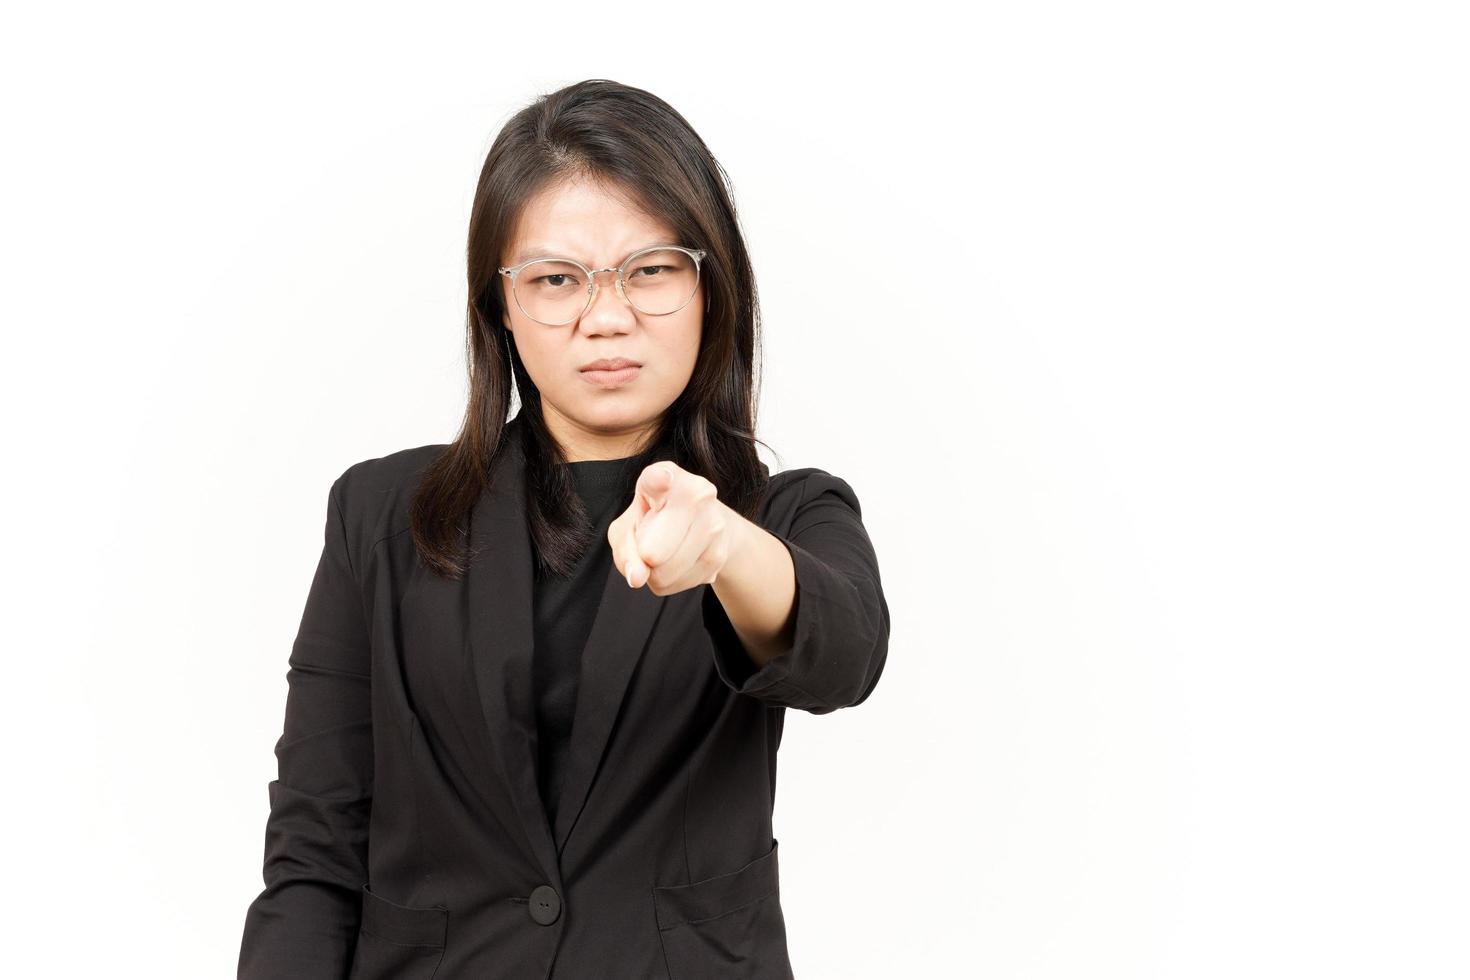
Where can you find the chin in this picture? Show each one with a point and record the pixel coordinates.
(612, 417)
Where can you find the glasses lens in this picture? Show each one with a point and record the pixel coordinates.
(661, 281)
(552, 292)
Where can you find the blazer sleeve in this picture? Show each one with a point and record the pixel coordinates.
(304, 924)
(841, 640)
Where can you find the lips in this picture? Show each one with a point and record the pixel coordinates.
(614, 378)
(609, 364)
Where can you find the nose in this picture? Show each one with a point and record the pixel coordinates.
(602, 290)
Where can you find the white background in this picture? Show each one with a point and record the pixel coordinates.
(1139, 330)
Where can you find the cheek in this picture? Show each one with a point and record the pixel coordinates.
(539, 354)
(681, 347)
(677, 351)
(690, 351)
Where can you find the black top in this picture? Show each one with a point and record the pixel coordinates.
(565, 607)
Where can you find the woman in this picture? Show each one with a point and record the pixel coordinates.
(539, 685)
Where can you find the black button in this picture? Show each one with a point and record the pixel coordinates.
(545, 905)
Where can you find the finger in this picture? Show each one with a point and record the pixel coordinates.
(695, 559)
(617, 536)
(633, 568)
(682, 487)
(654, 484)
(615, 540)
(661, 531)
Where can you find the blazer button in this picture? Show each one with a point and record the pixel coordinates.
(545, 904)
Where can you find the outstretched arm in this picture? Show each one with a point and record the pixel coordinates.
(799, 619)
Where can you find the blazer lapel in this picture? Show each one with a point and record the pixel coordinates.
(500, 584)
(620, 631)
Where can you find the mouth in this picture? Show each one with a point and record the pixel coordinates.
(611, 377)
(609, 364)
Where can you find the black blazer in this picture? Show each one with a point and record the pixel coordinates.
(407, 837)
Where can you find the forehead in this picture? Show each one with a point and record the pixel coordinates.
(585, 220)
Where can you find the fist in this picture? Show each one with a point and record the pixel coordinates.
(676, 534)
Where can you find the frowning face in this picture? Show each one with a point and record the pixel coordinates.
(600, 414)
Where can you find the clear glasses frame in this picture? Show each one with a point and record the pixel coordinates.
(511, 271)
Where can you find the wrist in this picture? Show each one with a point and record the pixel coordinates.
(737, 541)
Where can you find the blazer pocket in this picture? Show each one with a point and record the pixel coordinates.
(400, 942)
(729, 927)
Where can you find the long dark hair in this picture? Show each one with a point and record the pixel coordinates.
(636, 143)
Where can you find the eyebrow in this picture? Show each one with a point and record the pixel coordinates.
(550, 252)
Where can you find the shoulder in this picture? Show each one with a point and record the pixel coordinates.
(373, 496)
(384, 474)
(791, 491)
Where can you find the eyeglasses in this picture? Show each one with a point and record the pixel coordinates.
(656, 281)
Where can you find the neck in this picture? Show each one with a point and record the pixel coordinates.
(580, 443)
